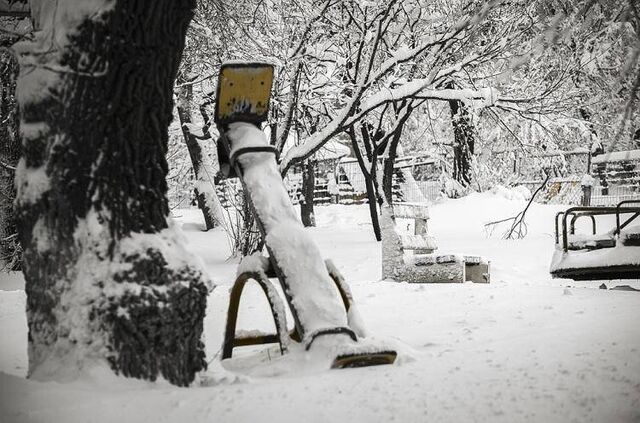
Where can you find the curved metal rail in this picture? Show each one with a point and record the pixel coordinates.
(277, 311)
(572, 226)
(618, 226)
(581, 211)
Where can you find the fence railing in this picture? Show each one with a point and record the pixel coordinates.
(569, 191)
(565, 190)
(612, 195)
(427, 190)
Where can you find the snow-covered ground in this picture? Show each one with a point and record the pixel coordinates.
(524, 348)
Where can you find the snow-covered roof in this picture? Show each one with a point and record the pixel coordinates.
(617, 156)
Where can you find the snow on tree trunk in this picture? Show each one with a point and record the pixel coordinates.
(388, 170)
(308, 188)
(392, 153)
(10, 255)
(107, 277)
(203, 196)
(373, 208)
(369, 176)
(463, 145)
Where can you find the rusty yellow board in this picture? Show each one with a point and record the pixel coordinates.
(243, 93)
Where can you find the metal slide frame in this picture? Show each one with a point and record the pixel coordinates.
(300, 332)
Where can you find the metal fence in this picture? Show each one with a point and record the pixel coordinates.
(569, 191)
(416, 191)
(557, 190)
(348, 187)
(404, 186)
(612, 195)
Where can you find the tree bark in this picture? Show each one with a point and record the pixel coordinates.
(10, 251)
(373, 208)
(464, 140)
(106, 279)
(308, 188)
(204, 197)
(387, 172)
(368, 181)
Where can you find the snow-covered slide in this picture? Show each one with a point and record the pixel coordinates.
(320, 314)
(308, 284)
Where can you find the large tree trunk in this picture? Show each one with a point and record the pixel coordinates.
(10, 252)
(205, 189)
(308, 188)
(464, 141)
(106, 279)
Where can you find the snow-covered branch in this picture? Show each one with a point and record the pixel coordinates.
(368, 73)
(413, 89)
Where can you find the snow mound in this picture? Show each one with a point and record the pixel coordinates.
(519, 193)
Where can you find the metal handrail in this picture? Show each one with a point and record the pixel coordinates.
(595, 211)
(572, 210)
(572, 227)
(618, 226)
(592, 211)
(556, 225)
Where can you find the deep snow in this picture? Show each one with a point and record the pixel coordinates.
(524, 348)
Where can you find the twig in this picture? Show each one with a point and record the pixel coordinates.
(518, 229)
(6, 166)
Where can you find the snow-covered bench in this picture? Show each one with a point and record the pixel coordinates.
(414, 237)
(407, 251)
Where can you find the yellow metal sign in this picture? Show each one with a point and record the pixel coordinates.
(243, 93)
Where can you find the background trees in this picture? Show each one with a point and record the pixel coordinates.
(320, 48)
(343, 65)
(488, 83)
